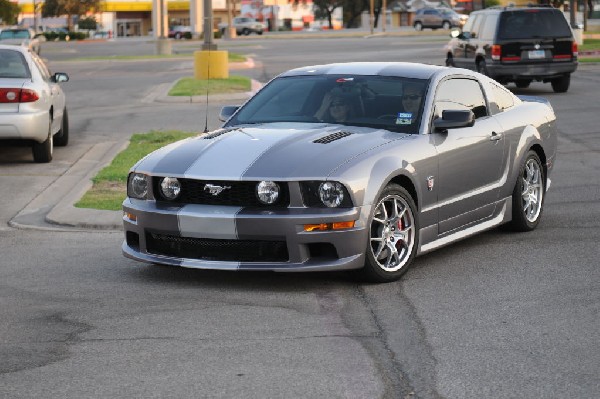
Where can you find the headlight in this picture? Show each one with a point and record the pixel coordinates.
(170, 188)
(267, 192)
(137, 186)
(331, 194)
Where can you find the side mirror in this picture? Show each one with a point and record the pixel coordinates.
(227, 111)
(59, 77)
(452, 119)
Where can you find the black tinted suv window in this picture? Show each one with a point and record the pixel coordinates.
(538, 23)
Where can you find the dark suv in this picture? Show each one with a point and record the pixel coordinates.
(517, 45)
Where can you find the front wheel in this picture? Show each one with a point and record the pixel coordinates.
(393, 236)
(528, 194)
(446, 25)
(42, 152)
(418, 26)
(62, 137)
(450, 61)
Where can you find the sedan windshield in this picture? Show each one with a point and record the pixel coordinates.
(386, 102)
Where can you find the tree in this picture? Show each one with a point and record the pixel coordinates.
(70, 8)
(325, 8)
(9, 12)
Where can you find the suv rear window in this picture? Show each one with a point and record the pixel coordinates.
(534, 23)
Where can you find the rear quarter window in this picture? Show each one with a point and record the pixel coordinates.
(504, 99)
(521, 24)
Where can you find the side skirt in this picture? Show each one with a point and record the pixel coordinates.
(502, 215)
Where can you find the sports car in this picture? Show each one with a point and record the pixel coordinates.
(351, 166)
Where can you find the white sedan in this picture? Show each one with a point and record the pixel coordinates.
(32, 104)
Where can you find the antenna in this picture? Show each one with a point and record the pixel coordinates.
(207, 85)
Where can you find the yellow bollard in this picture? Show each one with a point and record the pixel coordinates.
(214, 62)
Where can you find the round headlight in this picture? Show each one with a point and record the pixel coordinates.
(331, 194)
(138, 186)
(170, 187)
(267, 192)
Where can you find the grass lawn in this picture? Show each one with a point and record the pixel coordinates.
(194, 87)
(110, 184)
(590, 44)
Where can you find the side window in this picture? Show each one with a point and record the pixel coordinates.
(504, 98)
(477, 26)
(487, 31)
(460, 94)
(41, 67)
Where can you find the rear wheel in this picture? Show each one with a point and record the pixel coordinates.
(482, 67)
(561, 85)
(446, 25)
(42, 152)
(523, 84)
(418, 26)
(528, 194)
(62, 137)
(450, 61)
(245, 31)
(393, 236)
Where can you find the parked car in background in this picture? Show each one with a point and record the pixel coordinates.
(345, 166)
(519, 45)
(244, 26)
(23, 37)
(435, 18)
(180, 32)
(33, 107)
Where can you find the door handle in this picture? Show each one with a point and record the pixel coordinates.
(495, 136)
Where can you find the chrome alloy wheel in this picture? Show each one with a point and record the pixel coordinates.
(392, 233)
(533, 190)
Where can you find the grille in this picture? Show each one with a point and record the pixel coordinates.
(332, 137)
(217, 250)
(238, 193)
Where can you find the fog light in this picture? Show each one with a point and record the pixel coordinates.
(267, 192)
(170, 188)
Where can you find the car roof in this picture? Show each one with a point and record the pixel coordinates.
(502, 9)
(404, 69)
(14, 47)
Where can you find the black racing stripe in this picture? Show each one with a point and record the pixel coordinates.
(179, 160)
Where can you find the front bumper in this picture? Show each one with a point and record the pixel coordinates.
(192, 235)
(24, 126)
(537, 71)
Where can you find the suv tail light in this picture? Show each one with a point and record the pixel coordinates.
(496, 52)
(18, 96)
(574, 49)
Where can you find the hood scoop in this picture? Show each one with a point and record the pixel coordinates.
(332, 137)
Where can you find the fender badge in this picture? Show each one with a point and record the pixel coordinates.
(215, 190)
(430, 182)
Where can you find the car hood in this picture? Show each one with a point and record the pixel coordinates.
(285, 151)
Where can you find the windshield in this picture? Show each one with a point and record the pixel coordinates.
(390, 103)
(14, 34)
(522, 24)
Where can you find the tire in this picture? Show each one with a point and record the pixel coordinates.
(245, 32)
(528, 194)
(418, 26)
(177, 35)
(482, 67)
(446, 25)
(61, 138)
(393, 236)
(450, 61)
(259, 32)
(561, 85)
(523, 84)
(42, 152)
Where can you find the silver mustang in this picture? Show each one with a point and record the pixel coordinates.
(345, 166)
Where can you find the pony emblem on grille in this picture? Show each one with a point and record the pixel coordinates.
(214, 189)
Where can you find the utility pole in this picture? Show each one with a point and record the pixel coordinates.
(208, 27)
(372, 14)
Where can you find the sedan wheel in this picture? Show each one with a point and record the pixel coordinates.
(42, 152)
(62, 137)
(392, 236)
(418, 26)
(528, 195)
(446, 25)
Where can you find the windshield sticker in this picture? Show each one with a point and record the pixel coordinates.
(343, 80)
(404, 118)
